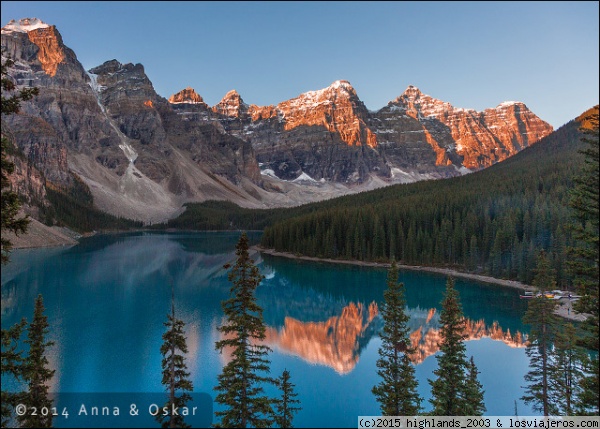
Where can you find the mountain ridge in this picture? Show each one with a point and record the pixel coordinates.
(143, 156)
(463, 139)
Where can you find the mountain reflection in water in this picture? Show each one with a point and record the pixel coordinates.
(338, 341)
(107, 298)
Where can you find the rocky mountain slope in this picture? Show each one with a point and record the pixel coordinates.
(110, 128)
(329, 135)
(143, 156)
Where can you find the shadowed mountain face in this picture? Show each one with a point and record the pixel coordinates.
(109, 127)
(143, 156)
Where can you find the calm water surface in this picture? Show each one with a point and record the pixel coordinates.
(107, 298)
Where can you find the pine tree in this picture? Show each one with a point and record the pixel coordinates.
(36, 372)
(448, 390)
(540, 316)
(10, 204)
(475, 404)
(285, 407)
(397, 392)
(566, 371)
(584, 204)
(174, 374)
(583, 262)
(587, 402)
(12, 366)
(240, 382)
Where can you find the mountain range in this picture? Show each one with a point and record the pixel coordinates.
(141, 156)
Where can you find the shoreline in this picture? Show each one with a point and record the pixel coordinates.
(65, 237)
(446, 271)
(563, 310)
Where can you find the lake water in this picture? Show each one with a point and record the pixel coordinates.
(107, 298)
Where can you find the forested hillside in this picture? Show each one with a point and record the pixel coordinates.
(74, 208)
(493, 222)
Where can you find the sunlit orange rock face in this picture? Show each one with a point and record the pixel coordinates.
(426, 342)
(148, 103)
(479, 138)
(51, 53)
(258, 113)
(337, 342)
(329, 134)
(334, 342)
(231, 105)
(187, 95)
(337, 108)
(586, 119)
(323, 134)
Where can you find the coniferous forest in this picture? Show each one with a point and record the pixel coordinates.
(492, 222)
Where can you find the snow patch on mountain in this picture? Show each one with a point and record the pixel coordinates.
(304, 178)
(24, 25)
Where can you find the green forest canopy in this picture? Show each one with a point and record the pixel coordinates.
(494, 221)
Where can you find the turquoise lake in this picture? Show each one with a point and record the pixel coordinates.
(107, 299)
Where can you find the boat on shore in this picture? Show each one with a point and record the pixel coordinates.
(554, 294)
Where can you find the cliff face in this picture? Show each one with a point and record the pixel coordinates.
(64, 117)
(108, 127)
(187, 95)
(195, 122)
(336, 108)
(329, 135)
(50, 52)
(28, 182)
(462, 137)
(317, 136)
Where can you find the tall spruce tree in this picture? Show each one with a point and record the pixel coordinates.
(397, 391)
(475, 404)
(285, 407)
(584, 205)
(544, 324)
(583, 262)
(175, 377)
(566, 371)
(10, 204)
(587, 401)
(12, 366)
(449, 389)
(241, 381)
(36, 372)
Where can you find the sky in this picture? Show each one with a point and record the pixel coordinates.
(471, 54)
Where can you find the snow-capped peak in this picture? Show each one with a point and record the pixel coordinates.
(412, 91)
(508, 103)
(24, 25)
(232, 93)
(311, 98)
(187, 95)
(231, 105)
(341, 84)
